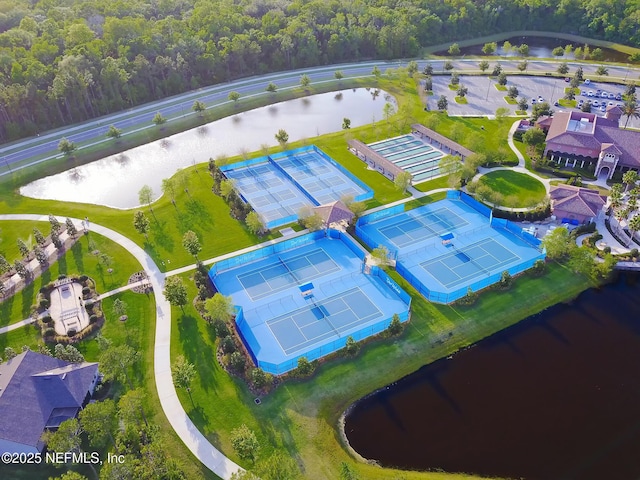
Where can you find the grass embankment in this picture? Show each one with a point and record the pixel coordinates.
(518, 189)
(301, 417)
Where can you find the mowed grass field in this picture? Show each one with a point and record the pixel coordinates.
(517, 189)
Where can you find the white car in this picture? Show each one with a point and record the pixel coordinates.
(604, 95)
(590, 94)
(596, 103)
(587, 81)
(533, 100)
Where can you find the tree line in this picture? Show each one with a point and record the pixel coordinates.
(64, 62)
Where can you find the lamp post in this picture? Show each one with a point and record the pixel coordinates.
(488, 89)
(7, 164)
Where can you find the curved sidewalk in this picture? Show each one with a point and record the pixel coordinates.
(178, 418)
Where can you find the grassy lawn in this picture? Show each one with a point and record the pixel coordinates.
(461, 100)
(301, 417)
(501, 88)
(77, 260)
(518, 189)
(510, 101)
(567, 103)
(478, 134)
(434, 183)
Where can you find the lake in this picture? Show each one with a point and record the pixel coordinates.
(116, 180)
(555, 397)
(541, 47)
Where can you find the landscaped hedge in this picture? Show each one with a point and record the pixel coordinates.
(539, 213)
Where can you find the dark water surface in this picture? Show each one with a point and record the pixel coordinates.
(541, 47)
(554, 397)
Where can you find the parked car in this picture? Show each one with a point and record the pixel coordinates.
(611, 104)
(618, 97)
(540, 99)
(603, 108)
(533, 100)
(556, 104)
(612, 96)
(583, 93)
(587, 82)
(590, 94)
(604, 95)
(596, 103)
(618, 105)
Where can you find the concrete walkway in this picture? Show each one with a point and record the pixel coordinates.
(178, 418)
(609, 240)
(15, 326)
(129, 286)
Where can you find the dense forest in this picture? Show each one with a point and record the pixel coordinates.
(63, 61)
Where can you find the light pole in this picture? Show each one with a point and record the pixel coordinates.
(488, 89)
(7, 164)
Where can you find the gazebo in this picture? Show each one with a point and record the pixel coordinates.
(334, 213)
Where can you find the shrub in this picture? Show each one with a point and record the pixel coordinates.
(505, 280)
(237, 362)
(93, 318)
(539, 267)
(470, 298)
(634, 252)
(395, 327)
(86, 291)
(221, 328)
(48, 332)
(260, 378)
(44, 303)
(228, 345)
(62, 276)
(71, 332)
(351, 346)
(83, 278)
(607, 249)
(305, 367)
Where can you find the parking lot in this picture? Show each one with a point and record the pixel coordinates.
(484, 99)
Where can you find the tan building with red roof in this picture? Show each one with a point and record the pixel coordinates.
(579, 139)
(575, 204)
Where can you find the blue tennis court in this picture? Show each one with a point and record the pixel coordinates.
(317, 174)
(305, 296)
(470, 262)
(286, 271)
(322, 320)
(417, 226)
(412, 155)
(446, 247)
(280, 186)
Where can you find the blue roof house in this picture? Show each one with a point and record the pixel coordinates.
(37, 393)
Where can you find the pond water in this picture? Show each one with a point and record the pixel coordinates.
(116, 180)
(554, 397)
(541, 47)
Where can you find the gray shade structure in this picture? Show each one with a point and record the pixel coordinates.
(334, 212)
(37, 393)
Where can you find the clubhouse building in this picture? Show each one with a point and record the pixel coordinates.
(586, 140)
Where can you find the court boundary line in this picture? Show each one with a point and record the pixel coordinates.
(308, 307)
(277, 263)
(480, 244)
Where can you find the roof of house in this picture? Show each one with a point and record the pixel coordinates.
(580, 201)
(602, 134)
(334, 212)
(38, 391)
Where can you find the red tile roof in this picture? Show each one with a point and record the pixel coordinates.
(581, 201)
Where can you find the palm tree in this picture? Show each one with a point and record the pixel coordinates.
(630, 109)
(630, 177)
(634, 225)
